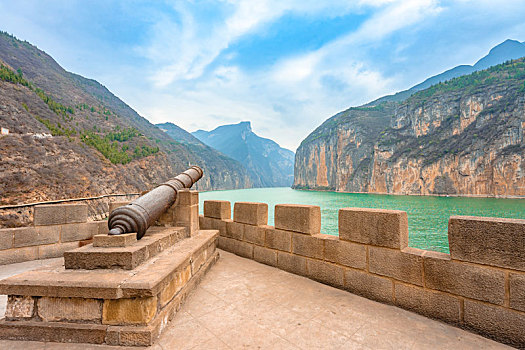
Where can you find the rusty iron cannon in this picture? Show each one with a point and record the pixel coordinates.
(140, 214)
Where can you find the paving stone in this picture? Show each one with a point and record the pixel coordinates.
(17, 255)
(55, 250)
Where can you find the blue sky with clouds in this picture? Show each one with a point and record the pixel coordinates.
(285, 65)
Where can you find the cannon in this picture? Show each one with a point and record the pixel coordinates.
(140, 214)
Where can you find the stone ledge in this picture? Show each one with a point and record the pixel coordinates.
(146, 280)
(155, 241)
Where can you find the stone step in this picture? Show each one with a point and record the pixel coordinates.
(127, 257)
(121, 307)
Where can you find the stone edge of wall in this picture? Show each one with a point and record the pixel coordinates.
(57, 228)
(480, 286)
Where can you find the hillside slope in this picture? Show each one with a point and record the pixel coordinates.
(461, 137)
(96, 144)
(268, 164)
(217, 162)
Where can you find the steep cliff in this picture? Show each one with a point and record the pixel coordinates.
(268, 164)
(71, 137)
(460, 137)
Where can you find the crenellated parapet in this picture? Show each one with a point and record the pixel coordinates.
(479, 286)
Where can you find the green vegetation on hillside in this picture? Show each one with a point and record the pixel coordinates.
(8, 75)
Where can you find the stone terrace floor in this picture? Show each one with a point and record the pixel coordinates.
(242, 304)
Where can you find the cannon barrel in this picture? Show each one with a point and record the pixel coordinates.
(145, 210)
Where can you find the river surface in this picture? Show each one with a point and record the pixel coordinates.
(427, 215)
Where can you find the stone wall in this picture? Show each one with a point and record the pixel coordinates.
(479, 286)
(56, 229)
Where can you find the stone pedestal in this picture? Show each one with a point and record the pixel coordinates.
(117, 291)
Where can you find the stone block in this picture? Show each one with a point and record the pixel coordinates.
(243, 249)
(6, 237)
(91, 258)
(198, 259)
(369, 286)
(55, 250)
(502, 324)
(103, 228)
(265, 255)
(221, 225)
(251, 213)
(185, 213)
(138, 311)
(476, 282)
(78, 232)
(62, 332)
(325, 272)
(309, 246)
(517, 291)
(291, 263)
(16, 255)
(255, 234)
(117, 204)
(19, 307)
(345, 253)
(31, 236)
(58, 214)
(299, 218)
(178, 281)
(398, 264)
(227, 244)
(217, 209)
(123, 240)
(278, 239)
(235, 230)
(188, 197)
(385, 228)
(428, 303)
(205, 223)
(488, 241)
(69, 309)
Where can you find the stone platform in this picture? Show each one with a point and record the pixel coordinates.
(243, 304)
(109, 295)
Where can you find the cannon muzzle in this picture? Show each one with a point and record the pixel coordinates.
(140, 214)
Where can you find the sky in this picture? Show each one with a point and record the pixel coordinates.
(284, 65)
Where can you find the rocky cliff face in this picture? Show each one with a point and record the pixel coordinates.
(461, 137)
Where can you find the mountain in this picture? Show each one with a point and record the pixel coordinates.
(459, 137)
(71, 137)
(216, 161)
(507, 50)
(268, 164)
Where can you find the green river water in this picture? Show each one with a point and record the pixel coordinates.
(427, 215)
